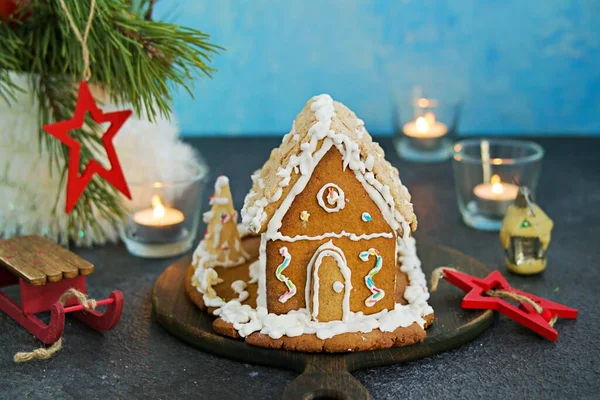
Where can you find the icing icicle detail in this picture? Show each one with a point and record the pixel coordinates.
(291, 292)
(377, 294)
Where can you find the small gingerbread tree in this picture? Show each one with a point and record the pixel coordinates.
(222, 239)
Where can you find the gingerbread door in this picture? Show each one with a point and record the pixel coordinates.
(329, 284)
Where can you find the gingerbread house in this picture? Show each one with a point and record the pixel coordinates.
(333, 217)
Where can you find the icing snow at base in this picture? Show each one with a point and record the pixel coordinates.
(239, 287)
(203, 280)
(247, 320)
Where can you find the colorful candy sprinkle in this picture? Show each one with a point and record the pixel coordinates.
(291, 292)
(366, 217)
(333, 200)
(304, 216)
(377, 294)
(332, 196)
(224, 217)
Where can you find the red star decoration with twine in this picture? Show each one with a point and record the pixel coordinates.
(77, 183)
(525, 314)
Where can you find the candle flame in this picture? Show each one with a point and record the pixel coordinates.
(158, 210)
(423, 102)
(496, 182)
(430, 117)
(422, 124)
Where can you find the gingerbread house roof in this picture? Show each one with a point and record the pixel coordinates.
(322, 124)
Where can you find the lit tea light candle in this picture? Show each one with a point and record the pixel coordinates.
(494, 197)
(158, 215)
(425, 132)
(159, 223)
(425, 127)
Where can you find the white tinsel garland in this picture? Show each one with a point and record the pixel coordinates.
(148, 151)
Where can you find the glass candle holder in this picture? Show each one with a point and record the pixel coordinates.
(424, 128)
(487, 175)
(164, 216)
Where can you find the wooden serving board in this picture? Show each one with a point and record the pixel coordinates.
(328, 375)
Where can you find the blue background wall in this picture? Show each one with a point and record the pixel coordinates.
(521, 66)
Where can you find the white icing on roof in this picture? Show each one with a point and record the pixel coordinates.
(321, 125)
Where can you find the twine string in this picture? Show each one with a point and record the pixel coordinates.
(44, 353)
(88, 304)
(438, 274)
(85, 52)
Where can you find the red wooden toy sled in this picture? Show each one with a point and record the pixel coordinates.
(44, 271)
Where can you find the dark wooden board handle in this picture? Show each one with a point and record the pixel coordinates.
(326, 378)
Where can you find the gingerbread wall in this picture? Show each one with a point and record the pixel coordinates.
(329, 170)
(349, 219)
(302, 252)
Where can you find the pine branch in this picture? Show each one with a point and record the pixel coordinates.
(146, 44)
(149, 10)
(135, 59)
(144, 8)
(9, 43)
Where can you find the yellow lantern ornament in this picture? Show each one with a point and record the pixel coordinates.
(525, 235)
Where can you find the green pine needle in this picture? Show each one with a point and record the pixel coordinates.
(135, 59)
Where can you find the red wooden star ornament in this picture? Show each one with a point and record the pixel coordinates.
(77, 183)
(524, 314)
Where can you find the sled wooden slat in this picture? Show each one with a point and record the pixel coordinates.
(37, 260)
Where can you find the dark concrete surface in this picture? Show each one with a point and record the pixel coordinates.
(138, 359)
